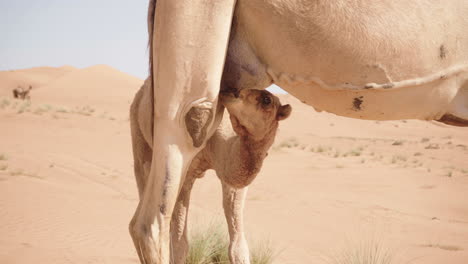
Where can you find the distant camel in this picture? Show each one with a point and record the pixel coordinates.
(21, 93)
(236, 152)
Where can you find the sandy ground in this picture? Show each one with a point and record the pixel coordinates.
(330, 184)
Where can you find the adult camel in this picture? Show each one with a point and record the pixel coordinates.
(382, 60)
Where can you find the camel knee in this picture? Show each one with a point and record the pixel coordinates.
(132, 229)
(138, 230)
(198, 120)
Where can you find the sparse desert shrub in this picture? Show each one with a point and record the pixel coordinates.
(398, 158)
(62, 110)
(85, 110)
(24, 107)
(5, 102)
(432, 146)
(288, 143)
(42, 109)
(262, 253)
(3, 157)
(3, 167)
(209, 245)
(354, 153)
(398, 143)
(369, 251)
(17, 172)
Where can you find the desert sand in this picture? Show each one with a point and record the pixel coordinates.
(67, 190)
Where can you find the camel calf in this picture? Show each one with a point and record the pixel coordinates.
(236, 152)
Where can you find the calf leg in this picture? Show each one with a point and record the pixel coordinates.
(233, 203)
(179, 237)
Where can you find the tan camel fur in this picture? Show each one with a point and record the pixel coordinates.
(382, 60)
(236, 152)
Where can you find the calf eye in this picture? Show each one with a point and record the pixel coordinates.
(266, 100)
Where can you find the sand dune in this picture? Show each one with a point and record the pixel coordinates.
(36, 77)
(67, 190)
(98, 85)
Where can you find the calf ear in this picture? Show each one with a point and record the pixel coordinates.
(283, 112)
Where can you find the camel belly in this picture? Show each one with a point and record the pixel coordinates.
(427, 102)
(385, 59)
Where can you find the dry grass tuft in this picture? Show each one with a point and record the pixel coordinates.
(17, 172)
(288, 143)
(364, 252)
(4, 103)
(262, 253)
(3, 157)
(398, 143)
(210, 245)
(25, 107)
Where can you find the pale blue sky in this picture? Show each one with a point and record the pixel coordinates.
(80, 33)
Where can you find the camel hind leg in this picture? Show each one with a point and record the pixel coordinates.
(142, 152)
(142, 155)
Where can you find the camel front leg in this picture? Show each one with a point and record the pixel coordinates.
(189, 45)
(233, 203)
